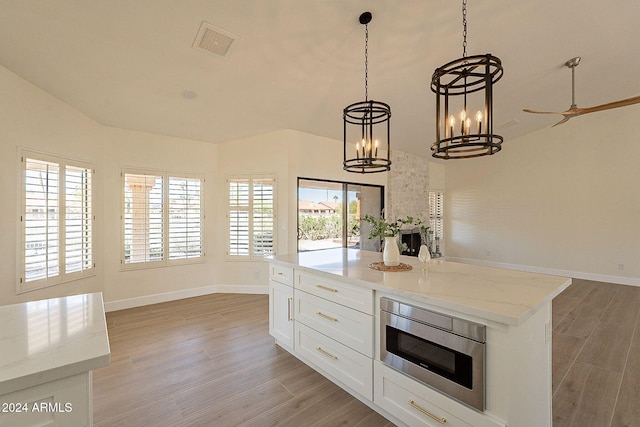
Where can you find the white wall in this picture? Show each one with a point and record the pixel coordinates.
(563, 200)
(32, 119)
(287, 154)
(436, 175)
(124, 148)
(263, 154)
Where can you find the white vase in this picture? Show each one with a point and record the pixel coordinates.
(391, 253)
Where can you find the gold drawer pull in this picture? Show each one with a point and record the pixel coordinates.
(329, 355)
(442, 420)
(279, 273)
(324, 316)
(326, 288)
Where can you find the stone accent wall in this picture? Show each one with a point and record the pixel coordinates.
(408, 187)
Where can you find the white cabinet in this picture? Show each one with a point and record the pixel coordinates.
(347, 326)
(281, 274)
(63, 402)
(329, 325)
(334, 330)
(48, 349)
(418, 405)
(336, 360)
(354, 297)
(335, 294)
(325, 323)
(281, 305)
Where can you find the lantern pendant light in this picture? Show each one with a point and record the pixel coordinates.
(464, 104)
(366, 124)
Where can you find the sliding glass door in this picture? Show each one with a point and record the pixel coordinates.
(330, 212)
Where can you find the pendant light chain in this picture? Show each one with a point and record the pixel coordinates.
(464, 28)
(366, 62)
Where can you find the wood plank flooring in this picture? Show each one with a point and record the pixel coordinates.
(209, 361)
(596, 355)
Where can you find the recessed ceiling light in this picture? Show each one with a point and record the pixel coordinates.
(189, 94)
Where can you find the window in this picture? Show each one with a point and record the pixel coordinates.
(57, 221)
(251, 217)
(329, 214)
(436, 213)
(185, 225)
(162, 219)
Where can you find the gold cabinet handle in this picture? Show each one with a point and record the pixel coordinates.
(324, 316)
(442, 420)
(279, 273)
(289, 301)
(329, 355)
(326, 288)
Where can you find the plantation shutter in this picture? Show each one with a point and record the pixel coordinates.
(263, 216)
(57, 221)
(143, 218)
(436, 213)
(185, 218)
(78, 220)
(41, 219)
(239, 216)
(251, 217)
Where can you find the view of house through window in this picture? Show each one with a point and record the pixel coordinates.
(330, 212)
(162, 218)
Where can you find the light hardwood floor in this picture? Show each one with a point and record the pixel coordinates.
(596, 355)
(209, 361)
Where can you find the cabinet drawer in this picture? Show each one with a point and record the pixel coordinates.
(347, 326)
(336, 360)
(281, 274)
(403, 400)
(356, 297)
(412, 401)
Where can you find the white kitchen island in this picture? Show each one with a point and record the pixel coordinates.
(48, 349)
(324, 309)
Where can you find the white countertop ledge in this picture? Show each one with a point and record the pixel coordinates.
(504, 296)
(46, 340)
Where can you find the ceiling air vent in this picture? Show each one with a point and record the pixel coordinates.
(214, 40)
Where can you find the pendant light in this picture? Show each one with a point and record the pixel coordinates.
(464, 104)
(366, 124)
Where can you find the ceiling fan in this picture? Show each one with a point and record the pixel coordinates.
(574, 111)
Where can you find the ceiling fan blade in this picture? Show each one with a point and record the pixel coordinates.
(564, 120)
(610, 105)
(526, 110)
(574, 110)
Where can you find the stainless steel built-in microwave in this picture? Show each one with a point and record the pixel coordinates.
(444, 352)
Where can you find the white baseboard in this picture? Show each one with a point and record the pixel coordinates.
(555, 272)
(181, 294)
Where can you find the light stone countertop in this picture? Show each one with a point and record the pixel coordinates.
(504, 296)
(46, 340)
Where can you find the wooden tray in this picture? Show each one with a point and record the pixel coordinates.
(380, 266)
